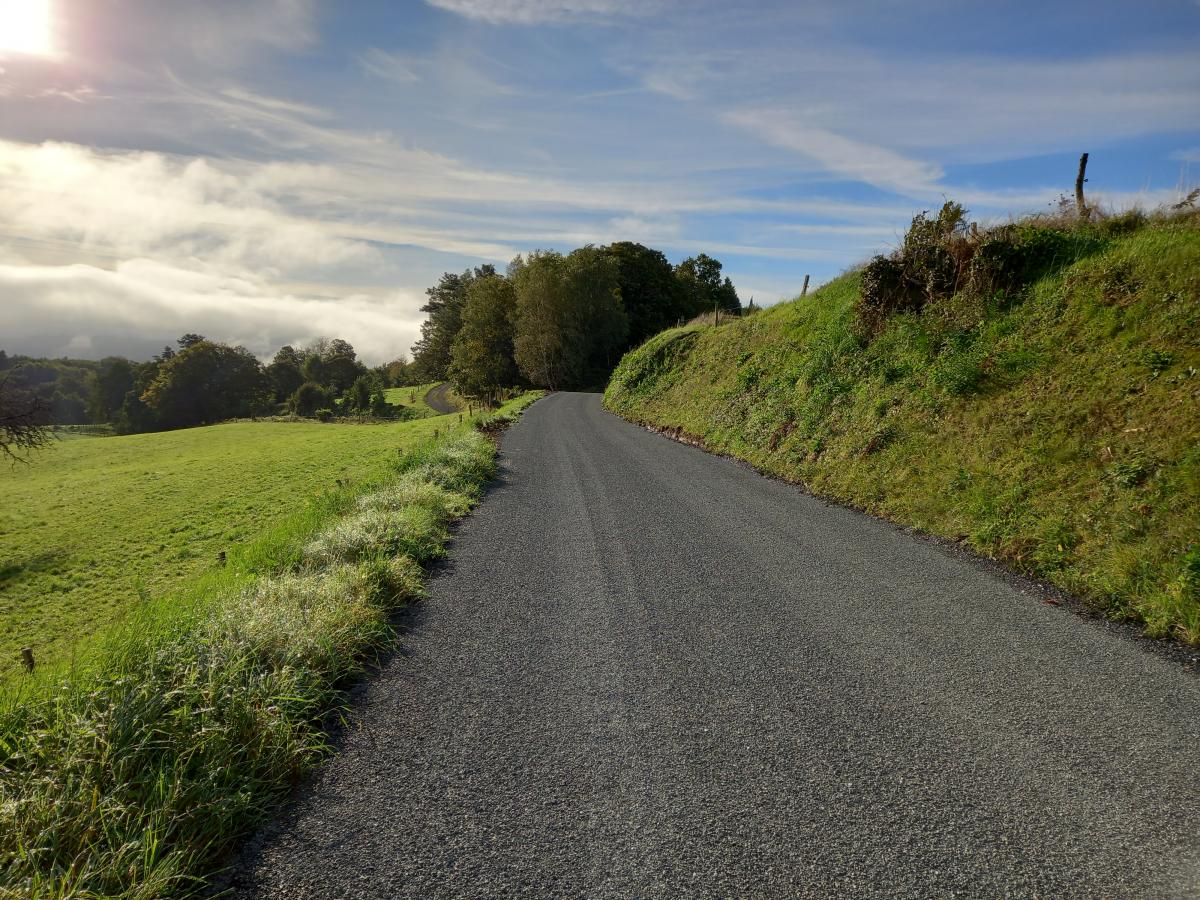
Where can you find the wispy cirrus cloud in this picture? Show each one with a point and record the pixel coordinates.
(845, 157)
(530, 12)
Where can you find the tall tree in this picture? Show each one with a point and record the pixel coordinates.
(541, 340)
(284, 372)
(431, 354)
(700, 280)
(652, 296)
(482, 353)
(600, 323)
(341, 365)
(109, 384)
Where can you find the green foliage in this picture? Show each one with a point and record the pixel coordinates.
(650, 292)
(702, 288)
(133, 775)
(1046, 412)
(309, 398)
(482, 362)
(570, 325)
(432, 353)
(205, 383)
(947, 262)
(284, 373)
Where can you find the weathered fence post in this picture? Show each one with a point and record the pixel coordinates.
(804, 290)
(1080, 205)
(27, 659)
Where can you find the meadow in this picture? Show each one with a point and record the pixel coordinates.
(95, 526)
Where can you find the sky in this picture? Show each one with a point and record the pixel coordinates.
(272, 171)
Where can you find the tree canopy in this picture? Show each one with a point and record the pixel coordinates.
(207, 382)
(481, 357)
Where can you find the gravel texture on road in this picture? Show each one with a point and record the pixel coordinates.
(651, 672)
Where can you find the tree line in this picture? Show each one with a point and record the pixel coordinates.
(199, 381)
(559, 321)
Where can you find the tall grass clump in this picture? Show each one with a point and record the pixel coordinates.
(134, 776)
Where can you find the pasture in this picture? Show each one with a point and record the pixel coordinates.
(94, 527)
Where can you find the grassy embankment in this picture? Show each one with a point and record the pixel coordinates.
(1053, 423)
(135, 771)
(96, 526)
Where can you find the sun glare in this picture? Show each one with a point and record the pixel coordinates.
(25, 27)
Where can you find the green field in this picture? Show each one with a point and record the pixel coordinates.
(1056, 427)
(412, 397)
(95, 526)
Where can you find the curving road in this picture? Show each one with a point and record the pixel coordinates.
(651, 672)
(438, 399)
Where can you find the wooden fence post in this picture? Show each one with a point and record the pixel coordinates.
(804, 290)
(1080, 205)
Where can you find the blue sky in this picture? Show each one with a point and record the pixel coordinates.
(270, 171)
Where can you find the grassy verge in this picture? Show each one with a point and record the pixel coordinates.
(135, 773)
(1052, 423)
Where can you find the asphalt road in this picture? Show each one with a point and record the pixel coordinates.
(438, 398)
(651, 672)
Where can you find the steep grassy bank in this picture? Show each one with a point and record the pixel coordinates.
(135, 772)
(1053, 424)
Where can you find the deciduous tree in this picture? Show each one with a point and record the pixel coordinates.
(482, 353)
(207, 382)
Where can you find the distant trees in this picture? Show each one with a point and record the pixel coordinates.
(202, 381)
(309, 398)
(207, 382)
(559, 321)
(699, 278)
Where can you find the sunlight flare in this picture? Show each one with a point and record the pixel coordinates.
(25, 27)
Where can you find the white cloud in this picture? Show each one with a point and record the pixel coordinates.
(530, 12)
(388, 66)
(1189, 155)
(846, 157)
(146, 303)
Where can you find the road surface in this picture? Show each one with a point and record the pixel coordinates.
(438, 399)
(650, 672)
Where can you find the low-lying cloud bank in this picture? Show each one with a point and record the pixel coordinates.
(138, 306)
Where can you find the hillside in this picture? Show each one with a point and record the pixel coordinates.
(94, 526)
(1053, 423)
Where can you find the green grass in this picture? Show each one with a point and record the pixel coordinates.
(1057, 429)
(96, 526)
(134, 773)
(412, 398)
